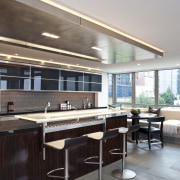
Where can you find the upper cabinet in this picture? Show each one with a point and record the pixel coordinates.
(44, 79)
(71, 81)
(36, 78)
(14, 77)
(92, 82)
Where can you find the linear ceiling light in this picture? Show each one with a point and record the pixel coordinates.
(96, 48)
(57, 5)
(24, 43)
(9, 56)
(50, 35)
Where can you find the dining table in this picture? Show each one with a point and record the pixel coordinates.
(136, 119)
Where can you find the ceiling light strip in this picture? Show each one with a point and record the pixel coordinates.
(24, 43)
(50, 35)
(96, 48)
(52, 3)
(49, 62)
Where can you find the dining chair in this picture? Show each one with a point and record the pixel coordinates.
(153, 129)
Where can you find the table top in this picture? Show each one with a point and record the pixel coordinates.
(141, 116)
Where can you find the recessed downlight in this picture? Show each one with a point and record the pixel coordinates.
(96, 48)
(50, 35)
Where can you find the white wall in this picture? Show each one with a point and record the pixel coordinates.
(103, 96)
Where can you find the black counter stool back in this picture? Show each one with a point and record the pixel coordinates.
(124, 173)
(100, 136)
(150, 130)
(66, 144)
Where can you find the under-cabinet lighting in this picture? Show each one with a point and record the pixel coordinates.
(59, 6)
(50, 35)
(96, 48)
(8, 56)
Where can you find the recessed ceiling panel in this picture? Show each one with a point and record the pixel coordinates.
(21, 22)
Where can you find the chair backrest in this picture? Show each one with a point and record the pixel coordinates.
(110, 133)
(159, 119)
(72, 143)
(133, 128)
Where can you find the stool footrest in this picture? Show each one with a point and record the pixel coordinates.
(49, 174)
(88, 160)
(153, 141)
(116, 151)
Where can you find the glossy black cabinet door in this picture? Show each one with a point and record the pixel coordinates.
(45, 73)
(71, 86)
(71, 81)
(44, 79)
(40, 78)
(14, 83)
(50, 85)
(92, 87)
(14, 77)
(71, 76)
(92, 78)
(44, 84)
(12, 70)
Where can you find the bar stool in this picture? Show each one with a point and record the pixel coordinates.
(100, 136)
(124, 173)
(66, 144)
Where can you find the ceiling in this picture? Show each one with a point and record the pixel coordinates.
(153, 22)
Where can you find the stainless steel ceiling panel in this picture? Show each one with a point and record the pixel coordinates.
(24, 22)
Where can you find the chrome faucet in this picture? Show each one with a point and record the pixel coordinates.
(85, 103)
(46, 107)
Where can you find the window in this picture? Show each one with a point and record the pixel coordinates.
(124, 88)
(144, 89)
(169, 87)
(110, 89)
(138, 89)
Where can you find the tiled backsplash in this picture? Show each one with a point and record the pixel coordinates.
(36, 100)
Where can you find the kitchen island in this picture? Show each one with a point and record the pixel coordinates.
(27, 143)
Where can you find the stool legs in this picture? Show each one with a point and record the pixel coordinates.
(100, 159)
(123, 173)
(66, 164)
(66, 168)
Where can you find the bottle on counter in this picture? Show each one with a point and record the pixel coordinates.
(68, 105)
(10, 106)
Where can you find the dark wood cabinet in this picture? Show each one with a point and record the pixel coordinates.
(20, 156)
(21, 152)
